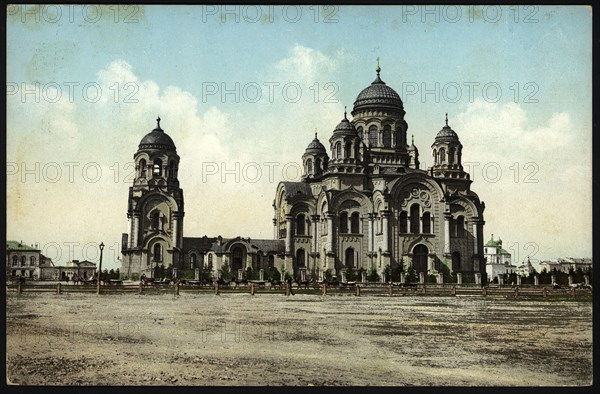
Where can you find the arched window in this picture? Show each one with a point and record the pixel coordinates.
(309, 167)
(300, 258)
(387, 136)
(373, 137)
(348, 150)
(344, 223)
(193, 260)
(415, 223)
(143, 168)
(426, 223)
(442, 155)
(338, 150)
(460, 226)
(435, 156)
(23, 260)
(157, 252)
(210, 261)
(32, 260)
(172, 169)
(156, 220)
(355, 223)
(349, 258)
(271, 261)
(15, 261)
(360, 132)
(317, 166)
(451, 154)
(420, 253)
(157, 168)
(403, 222)
(300, 225)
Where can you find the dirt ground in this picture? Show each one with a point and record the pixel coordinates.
(270, 339)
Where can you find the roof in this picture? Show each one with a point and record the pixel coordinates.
(14, 245)
(201, 243)
(157, 139)
(316, 147)
(378, 95)
(294, 188)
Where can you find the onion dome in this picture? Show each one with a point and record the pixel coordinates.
(157, 139)
(345, 127)
(378, 96)
(446, 134)
(315, 147)
(412, 147)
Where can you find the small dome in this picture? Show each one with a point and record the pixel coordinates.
(446, 134)
(412, 147)
(315, 147)
(378, 96)
(345, 127)
(157, 139)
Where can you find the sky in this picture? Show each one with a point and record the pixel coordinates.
(242, 90)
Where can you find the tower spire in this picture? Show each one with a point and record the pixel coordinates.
(158, 122)
(413, 139)
(378, 69)
(316, 133)
(345, 113)
(446, 118)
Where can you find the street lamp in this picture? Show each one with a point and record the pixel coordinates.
(101, 246)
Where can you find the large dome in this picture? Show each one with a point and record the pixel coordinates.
(378, 96)
(157, 139)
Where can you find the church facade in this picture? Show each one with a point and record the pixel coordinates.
(366, 206)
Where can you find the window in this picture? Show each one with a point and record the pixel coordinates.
(309, 167)
(300, 225)
(373, 137)
(23, 260)
(32, 260)
(387, 136)
(172, 169)
(210, 261)
(271, 261)
(427, 223)
(355, 223)
(460, 226)
(157, 169)
(451, 154)
(403, 222)
(156, 220)
(348, 150)
(344, 223)
(442, 156)
(157, 255)
(15, 261)
(142, 168)
(300, 258)
(317, 166)
(435, 156)
(415, 223)
(193, 260)
(338, 150)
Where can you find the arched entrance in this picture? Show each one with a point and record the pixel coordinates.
(237, 259)
(300, 263)
(349, 260)
(420, 253)
(455, 262)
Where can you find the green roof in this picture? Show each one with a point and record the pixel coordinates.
(492, 242)
(14, 245)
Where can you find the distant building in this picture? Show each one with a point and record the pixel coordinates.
(526, 268)
(566, 264)
(28, 262)
(498, 260)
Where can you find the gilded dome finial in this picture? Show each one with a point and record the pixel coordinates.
(316, 133)
(378, 69)
(158, 122)
(446, 118)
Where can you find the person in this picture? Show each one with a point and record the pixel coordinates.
(289, 284)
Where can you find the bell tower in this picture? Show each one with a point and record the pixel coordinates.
(155, 207)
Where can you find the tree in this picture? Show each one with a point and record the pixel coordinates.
(373, 275)
(327, 274)
(411, 275)
(350, 274)
(225, 271)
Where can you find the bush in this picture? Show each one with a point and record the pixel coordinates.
(327, 274)
(359, 273)
(225, 271)
(373, 275)
(411, 275)
(350, 274)
(273, 274)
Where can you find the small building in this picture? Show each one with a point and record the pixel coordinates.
(566, 264)
(526, 268)
(498, 260)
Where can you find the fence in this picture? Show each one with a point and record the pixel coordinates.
(358, 289)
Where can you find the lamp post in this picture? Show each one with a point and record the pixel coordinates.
(99, 268)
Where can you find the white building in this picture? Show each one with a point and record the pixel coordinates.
(498, 260)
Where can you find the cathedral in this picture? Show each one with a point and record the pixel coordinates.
(367, 207)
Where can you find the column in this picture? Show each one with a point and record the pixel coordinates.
(315, 238)
(459, 278)
(288, 234)
(136, 230)
(385, 216)
(329, 233)
(447, 217)
(371, 243)
(475, 237)
(536, 280)
(174, 231)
